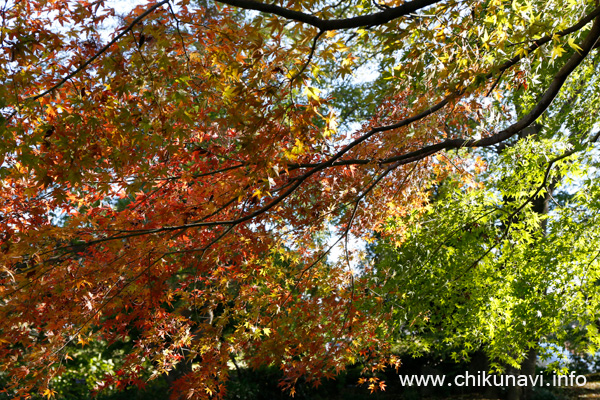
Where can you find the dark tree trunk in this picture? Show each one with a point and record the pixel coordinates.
(527, 368)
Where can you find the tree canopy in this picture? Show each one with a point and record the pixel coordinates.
(174, 175)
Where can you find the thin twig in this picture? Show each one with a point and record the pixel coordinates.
(310, 57)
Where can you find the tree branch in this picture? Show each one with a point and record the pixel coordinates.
(379, 18)
(442, 103)
(544, 102)
(541, 106)
(543, 40)
(99, 53)
(310, 57)
(406, 158)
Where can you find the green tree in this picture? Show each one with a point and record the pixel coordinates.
(483, 269)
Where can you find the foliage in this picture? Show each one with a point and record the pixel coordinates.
(169, 177)
(470, 275)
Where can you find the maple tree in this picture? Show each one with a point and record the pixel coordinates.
(170, 183)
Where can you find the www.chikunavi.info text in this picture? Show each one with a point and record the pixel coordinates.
(483, 379)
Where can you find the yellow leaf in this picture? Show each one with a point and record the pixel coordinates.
(82, 283)
(82, 341)
(229, 92)
(50, 110)
(574, 45)
(311, 92)
(522, 52)
(557, 51)
(49, 393)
